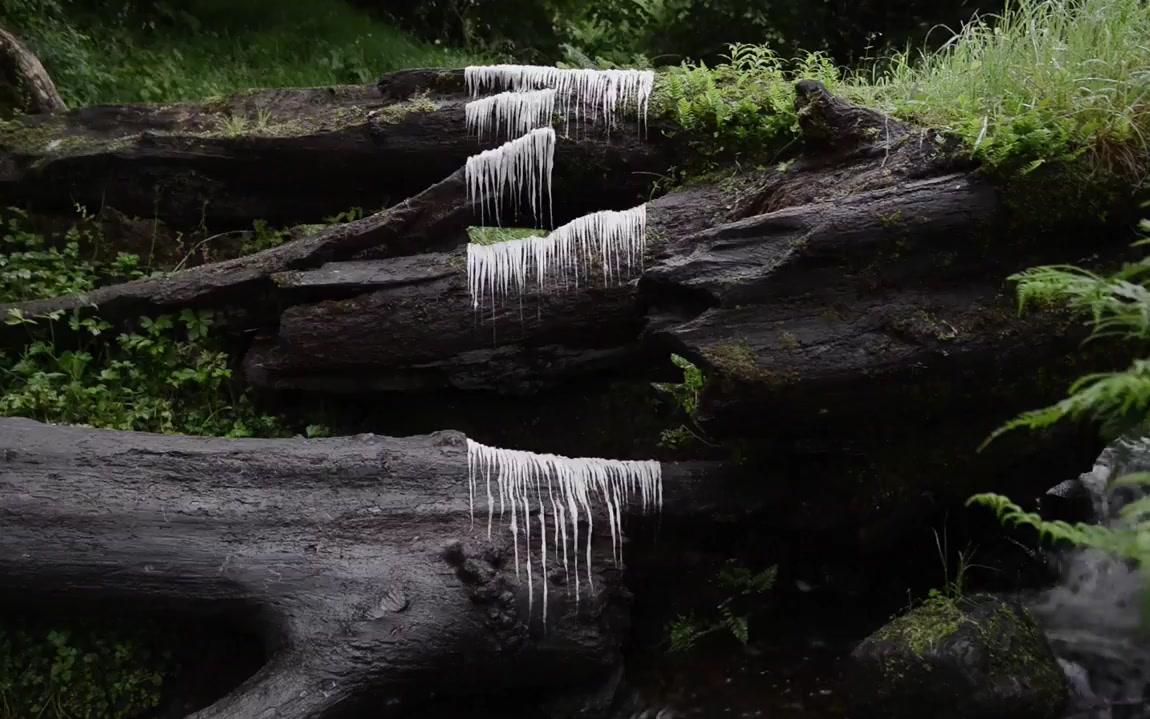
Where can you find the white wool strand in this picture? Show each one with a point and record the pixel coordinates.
(514, 169)
(510, 114)
(616, 240)
(574, 483)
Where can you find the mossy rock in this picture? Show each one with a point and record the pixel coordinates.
(977, 657)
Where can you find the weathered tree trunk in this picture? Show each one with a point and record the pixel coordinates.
(25, 86)
(291, 156)
(864, 285)
(358, 554)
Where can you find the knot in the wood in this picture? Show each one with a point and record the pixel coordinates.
(393, 601)
(449, 438)
(453, 553)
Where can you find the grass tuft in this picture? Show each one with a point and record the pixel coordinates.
(1045, 81)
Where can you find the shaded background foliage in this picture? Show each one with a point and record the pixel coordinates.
(668, 31)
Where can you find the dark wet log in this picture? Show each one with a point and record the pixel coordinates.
(357, 553)
(864, 285)
(243, 288)
(289, 156)
(25, 86)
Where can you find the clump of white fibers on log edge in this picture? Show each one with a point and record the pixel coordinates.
(533, 484)
(510, 114)
(607, 92)
(614, 240)
(522, 166)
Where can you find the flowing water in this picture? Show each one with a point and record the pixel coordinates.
(1095, 617)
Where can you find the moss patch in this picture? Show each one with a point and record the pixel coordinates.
(394, 114)
(923, 629)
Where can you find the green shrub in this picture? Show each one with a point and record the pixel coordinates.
(742, 109)
(33, 266)
(78, 672)
(168, 375)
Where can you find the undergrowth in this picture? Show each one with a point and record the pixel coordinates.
(1047, 82)
(1116, 306)
(128, 51)
(169, 374)
(73, 671)
(744, 588)
(32, 266)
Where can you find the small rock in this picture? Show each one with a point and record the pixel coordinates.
(977, 657)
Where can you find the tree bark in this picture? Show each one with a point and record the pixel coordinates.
(25, 86)
(357, 553)
(292, 156)
(863, 285)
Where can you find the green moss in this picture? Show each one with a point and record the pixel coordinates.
(394, 114)
(925, 628)
(491, 235)
(736, 361)
(29, 135)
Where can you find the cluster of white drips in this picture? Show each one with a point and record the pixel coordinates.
(526, 104)
(603, 92)
(510, 114)
(614, 240)
(515, 168)
(530, 484)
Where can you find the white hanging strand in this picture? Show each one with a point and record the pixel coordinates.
(514, 169)
(510, 114)
(605, 92)
(573, 485)
(614, 240)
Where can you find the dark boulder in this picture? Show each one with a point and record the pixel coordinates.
(977, 657)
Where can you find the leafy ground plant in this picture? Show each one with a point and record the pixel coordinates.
(167, 375)
(1116, 306)
(34, 266)
(75, 671)
(740, 583)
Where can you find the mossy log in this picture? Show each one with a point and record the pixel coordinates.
(357, 556)
(862, 285)
(288, 156)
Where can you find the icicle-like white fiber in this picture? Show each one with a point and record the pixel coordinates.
(515, 168)
(605, 92)
(614, 240)
(567, 487)
(510, 114)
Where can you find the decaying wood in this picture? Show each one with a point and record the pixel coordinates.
(357, 553)
(25, 86)
(849, 310)
(864, 283)
(290, 156)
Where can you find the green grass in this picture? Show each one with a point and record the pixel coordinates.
(1048, 80)
(1064, 82)
(211, 47)
(491, 235)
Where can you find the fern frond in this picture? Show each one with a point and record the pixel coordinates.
(1124, 542)
(1117, 399)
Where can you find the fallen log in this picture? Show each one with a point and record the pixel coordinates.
(864, 285)
(289, 156)
(25, 86)
(358, 554)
